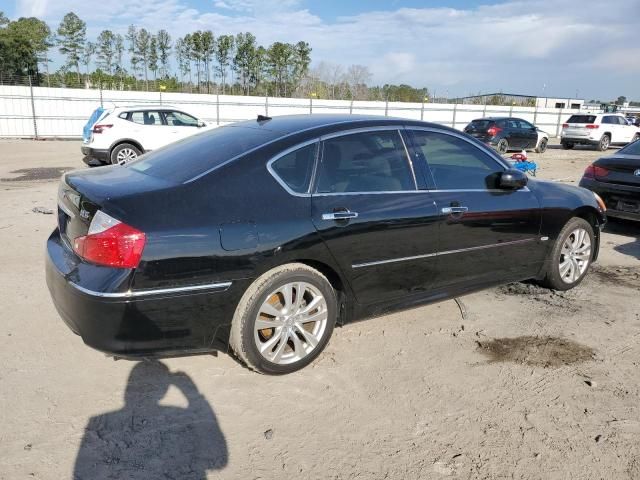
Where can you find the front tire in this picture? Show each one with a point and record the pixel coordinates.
(604, 143)
(542, 146)
(124, 153)
(284, 319)
(571, 255)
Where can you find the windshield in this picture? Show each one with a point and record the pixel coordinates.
(186, 159)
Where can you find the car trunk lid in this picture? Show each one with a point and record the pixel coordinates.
(622, 169)
(82, 193)
(479, 128)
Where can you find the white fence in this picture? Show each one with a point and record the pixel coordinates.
(62, 112)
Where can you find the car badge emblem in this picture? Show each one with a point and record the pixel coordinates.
(637, 173)
(84, 214)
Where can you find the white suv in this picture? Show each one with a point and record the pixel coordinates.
(599, 130)
(122, 134)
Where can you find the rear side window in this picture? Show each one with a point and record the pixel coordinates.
(455, 163)
(581, 119)
(295, 168)
(373, 161)
(188, 158)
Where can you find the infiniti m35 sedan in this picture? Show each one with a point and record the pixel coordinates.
(258, 237)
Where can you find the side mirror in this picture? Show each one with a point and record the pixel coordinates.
(512, 179)
(201, 124)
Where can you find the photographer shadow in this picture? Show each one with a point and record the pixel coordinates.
(145, 440)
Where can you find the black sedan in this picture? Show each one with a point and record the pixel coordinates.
(261, 236)
(507, 133)
(617, 180)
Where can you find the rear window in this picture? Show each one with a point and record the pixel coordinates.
(186, 159)
(631, 149)
(581, 119)
(477, 125)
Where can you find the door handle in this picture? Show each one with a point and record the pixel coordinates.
(340, 215)
(450, 210)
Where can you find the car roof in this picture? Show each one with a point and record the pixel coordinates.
(290, 124)
(146, 107)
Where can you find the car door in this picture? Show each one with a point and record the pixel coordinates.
(517, 135)
(148, 129)
(370, 210)
(180, 125)
(529, 134)
(486, 234)
(626, 131)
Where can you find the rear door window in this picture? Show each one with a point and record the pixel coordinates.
(479, 125)
(373, 161)
(146, 117)
(581, 119)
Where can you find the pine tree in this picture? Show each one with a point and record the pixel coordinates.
(72, 35)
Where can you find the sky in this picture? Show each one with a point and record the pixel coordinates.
(565, 48)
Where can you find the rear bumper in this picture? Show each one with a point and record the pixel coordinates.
(580, 140)
(616, 196)
(122, 324)
(93, 155)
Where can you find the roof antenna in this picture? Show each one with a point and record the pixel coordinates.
(263, 118)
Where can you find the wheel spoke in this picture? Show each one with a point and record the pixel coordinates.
(270, 310)
(564, 267)
(287, 291)
(576, 269)
(309, 337)
(312, 305)
(261, 324)
(298, 347)
(267, 346)
(320, 316)
(284, 336)
(300, 289)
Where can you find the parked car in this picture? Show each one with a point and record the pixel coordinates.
(262, 235)
(599, 130)
(122, 134)
(507, 133)
(617, 180)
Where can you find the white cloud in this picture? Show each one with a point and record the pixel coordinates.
(514, 46)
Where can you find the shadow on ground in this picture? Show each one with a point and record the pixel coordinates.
(627, 229)
(146, 440)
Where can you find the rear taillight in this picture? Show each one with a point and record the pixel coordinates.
(592, 127)
(593, 171)
(110, 242)
(101, 128)
(565, 125)
(493, 131)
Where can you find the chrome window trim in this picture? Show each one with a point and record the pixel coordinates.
(221, 286)
(289, 150)
(438, 254)
(277, 139)
(355, 131)
(490, 152)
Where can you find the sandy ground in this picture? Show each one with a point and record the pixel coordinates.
(533, 384)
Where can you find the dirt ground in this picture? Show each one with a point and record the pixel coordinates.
(532, 384)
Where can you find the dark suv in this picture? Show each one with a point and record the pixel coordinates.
(507, 133)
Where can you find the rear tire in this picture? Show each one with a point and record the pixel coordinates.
(571, 255)
(503, 146)
(604, 143)
(124, 153)
(300, 304)
(542, 146)
(567, 145)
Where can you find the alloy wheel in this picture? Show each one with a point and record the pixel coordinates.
(604, 143)
(503, 146)
(575, 255)
(543, 146)
(290, 323)
(126, 155)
